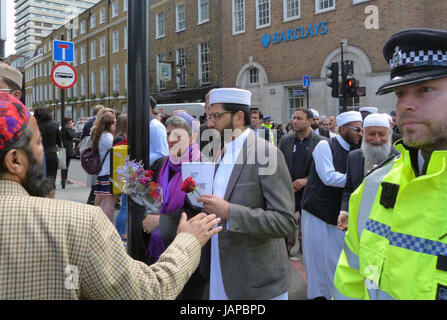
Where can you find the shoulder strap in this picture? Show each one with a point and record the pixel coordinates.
(105, 156)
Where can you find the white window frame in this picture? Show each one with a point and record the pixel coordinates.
(178, 22)
(115, 41)
(102, 16)
(160, 83)
(158, 34)
(83, 88)
(318, 10)
(93, 50)
(125, 5)
(286, 18)
(102, 80)
(116, 78)
(181, 62)
(200, 60)
(235, 20)
(82, 27)
(93, 83)
(83, 55)
(115, 9)
(259, 26)
(93, 21)
(125, 39)
(201, 19)
(102, 46)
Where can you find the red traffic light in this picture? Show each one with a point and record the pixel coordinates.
(350, 83)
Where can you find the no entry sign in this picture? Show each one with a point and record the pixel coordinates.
(64, 76)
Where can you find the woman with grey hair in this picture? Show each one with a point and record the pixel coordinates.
(182, 130)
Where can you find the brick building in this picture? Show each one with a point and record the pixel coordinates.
(185, 36)
(269, 45)
(100, 38)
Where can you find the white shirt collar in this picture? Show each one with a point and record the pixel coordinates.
(343, 143)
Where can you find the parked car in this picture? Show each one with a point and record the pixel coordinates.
(79, 126)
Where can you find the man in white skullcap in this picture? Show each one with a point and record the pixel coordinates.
(315, 125)
(11, 80)
(366, 111)
(322, 240)
(249, 260)
(376, 147)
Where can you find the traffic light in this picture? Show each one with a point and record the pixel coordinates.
(332, 78)
(351, 87)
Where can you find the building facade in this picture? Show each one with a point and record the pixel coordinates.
(269, 45)
(36, 19)
(100, 60)
(186, 53)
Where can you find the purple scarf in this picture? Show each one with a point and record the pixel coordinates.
(173, 197)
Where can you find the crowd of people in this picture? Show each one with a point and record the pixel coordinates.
(360, 205)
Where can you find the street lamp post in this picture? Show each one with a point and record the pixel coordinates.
(138, 113)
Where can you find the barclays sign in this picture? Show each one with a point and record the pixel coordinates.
(311, 30)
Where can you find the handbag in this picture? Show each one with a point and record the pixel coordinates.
(62, 159)
(90, 161)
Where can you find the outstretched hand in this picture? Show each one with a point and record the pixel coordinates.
(201, 226)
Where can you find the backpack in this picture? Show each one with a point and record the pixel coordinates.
(90, 161)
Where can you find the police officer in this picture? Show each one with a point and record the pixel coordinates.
(396, 244)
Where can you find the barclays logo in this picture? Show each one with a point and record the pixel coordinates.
(265, 40)
(311, 30)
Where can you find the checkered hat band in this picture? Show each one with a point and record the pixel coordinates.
(406, 241)
(421, 57)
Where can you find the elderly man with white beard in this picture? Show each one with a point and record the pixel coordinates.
(376, 147)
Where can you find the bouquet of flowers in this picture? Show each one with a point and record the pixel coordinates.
(139, 184)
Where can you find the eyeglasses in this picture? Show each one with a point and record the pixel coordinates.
(216, 115)
(356, 129)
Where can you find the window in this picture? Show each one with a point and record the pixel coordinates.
(82, 27)
(204, 63)
(125, 76)
(253, 76)
(204, 14)
(93, 83)
(83, 56)
(359, 1)
(75, 32)
(115, 41)
(180, 17)
(75, 57)
(102, 80)
(291, 9)
(296, 99)
(181, 64)
(68, 39)
(116, 78)
(93, 21)
(160, 25)
(83, 85)
(102, 16)
(324, 5)
(161, 83)
(93, 50)
(75, 91)
(102, 46)
(125, 38)
(238, 16)
(115, 10)
(262, 13)
(125, 5)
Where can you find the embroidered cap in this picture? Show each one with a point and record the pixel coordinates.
(14, 117)
(415, 55)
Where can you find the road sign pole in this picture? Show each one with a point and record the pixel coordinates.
(62, 98)
(307, 97)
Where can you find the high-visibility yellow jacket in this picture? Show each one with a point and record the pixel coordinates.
(272, 136)
(396, 243)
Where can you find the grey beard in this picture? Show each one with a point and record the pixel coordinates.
(375, 155)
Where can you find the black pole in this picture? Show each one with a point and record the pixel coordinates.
(138, 115)
(343, 81)
(62, 99)
(307, 88)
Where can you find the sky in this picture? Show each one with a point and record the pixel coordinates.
(10, 27)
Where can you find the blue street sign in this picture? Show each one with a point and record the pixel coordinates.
(63, 51)
(306, 81)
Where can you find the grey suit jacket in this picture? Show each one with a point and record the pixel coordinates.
(253, 255)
